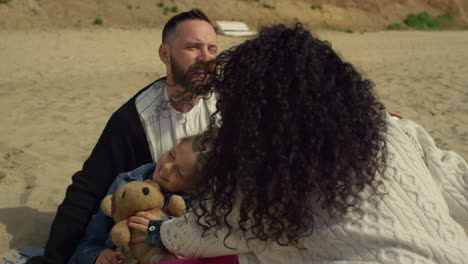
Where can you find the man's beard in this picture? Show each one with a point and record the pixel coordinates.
(187, 79)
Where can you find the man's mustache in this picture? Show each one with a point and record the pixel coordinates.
(200, 67)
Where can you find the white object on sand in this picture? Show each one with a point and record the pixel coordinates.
(234, 28)
(22, 256)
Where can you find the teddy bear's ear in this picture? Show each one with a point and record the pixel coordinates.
(106, 205)
(155, 184)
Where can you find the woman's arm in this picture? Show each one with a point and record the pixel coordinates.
(184, 237)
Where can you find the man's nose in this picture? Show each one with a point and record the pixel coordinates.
(205, 56)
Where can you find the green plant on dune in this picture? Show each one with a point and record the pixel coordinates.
(316, 7)
(445, 20)
(174, 9)
(395, 26)
(348, 31)
(423, 21)
(265, 5)
(445, 17)
(4, 1)
(412, 20)
(98, 21)
(433, 25)
(424, 17)
(167, 9)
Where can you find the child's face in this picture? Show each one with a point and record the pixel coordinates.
(175, 169)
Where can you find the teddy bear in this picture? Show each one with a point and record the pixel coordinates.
(129, 199)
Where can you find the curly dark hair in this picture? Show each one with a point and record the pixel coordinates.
(299, 127)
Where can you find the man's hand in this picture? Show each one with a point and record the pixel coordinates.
(108, 256)
(140, 222)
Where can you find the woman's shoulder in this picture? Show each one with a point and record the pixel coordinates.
(408, 132)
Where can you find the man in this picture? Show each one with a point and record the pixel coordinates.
(149, 124)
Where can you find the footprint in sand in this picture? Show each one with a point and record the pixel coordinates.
(2, 176)
(17, 160)
(10, 154)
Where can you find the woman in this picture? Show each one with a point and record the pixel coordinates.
(308, 167)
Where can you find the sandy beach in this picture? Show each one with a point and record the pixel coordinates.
(59, 84)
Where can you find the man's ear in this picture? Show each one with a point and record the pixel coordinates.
(164, 53)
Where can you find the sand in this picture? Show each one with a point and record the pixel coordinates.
(58, 88)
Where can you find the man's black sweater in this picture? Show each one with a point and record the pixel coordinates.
(122, 147)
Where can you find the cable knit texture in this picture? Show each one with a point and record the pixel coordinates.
(419, 220)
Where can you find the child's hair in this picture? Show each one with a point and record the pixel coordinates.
(201, 145)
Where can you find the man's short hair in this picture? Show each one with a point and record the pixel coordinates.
(172, 24)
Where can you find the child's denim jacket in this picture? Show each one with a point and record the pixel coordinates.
(96, 237)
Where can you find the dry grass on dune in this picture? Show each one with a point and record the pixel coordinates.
(335, 14)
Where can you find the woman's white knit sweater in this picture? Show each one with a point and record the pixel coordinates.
(419, 220)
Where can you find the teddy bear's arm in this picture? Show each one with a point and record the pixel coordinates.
(176, 206)
(120, 235)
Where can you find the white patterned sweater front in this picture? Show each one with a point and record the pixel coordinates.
(419, 220)
(164, 126)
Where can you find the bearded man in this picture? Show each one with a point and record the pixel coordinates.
(139, 132)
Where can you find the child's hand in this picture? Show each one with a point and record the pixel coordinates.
(140, 222)
(108, 256)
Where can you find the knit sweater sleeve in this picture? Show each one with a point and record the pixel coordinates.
(184, 237)
(448, 168)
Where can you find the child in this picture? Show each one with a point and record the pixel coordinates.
(175, 172)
